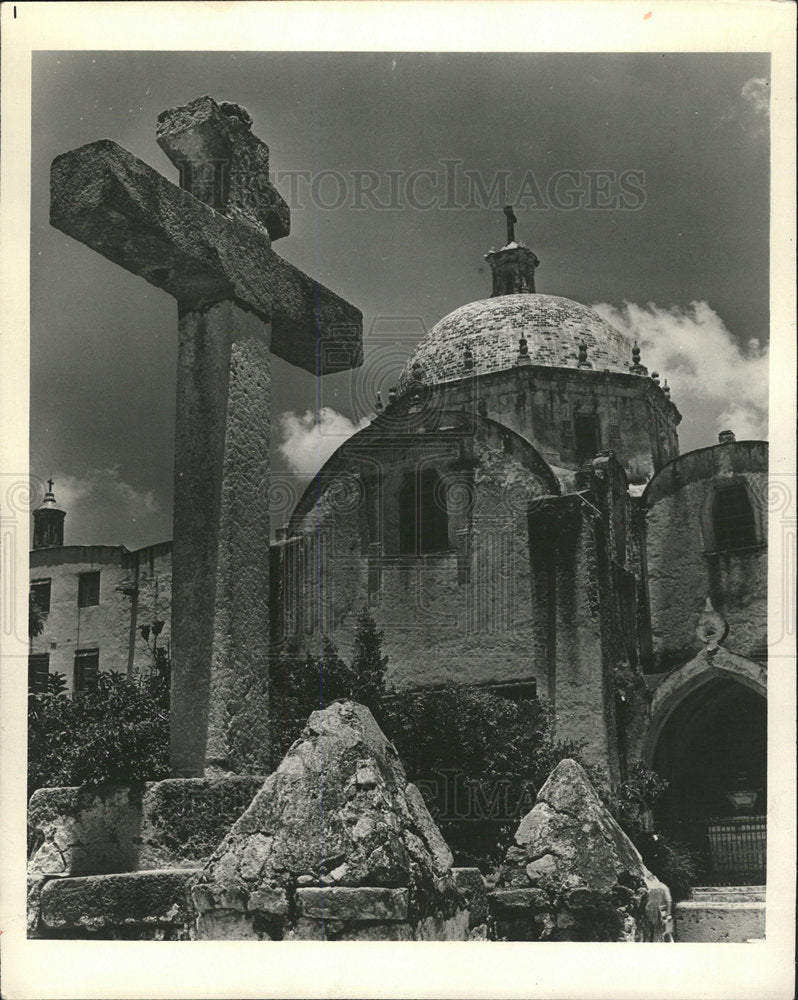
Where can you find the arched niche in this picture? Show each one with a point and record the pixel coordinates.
(708, 735)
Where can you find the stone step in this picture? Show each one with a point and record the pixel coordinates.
(729, 893)
(711, 921)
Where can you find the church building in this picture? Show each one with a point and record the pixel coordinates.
(517, 515)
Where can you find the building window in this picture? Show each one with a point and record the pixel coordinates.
(587, 443)
(88, 589)
(87, 665)
(423, 519)
(515, 690)
(733, 518)
(40, 591)
(38, 672)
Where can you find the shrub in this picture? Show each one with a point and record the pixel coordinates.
(117, 732)
(479, 760)
(674, 863)
(36, 618)
(300, 683)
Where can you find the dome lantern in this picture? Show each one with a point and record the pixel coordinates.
(514, 265)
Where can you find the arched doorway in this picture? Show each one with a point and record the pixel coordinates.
(712, 748)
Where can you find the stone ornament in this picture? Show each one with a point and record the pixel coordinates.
(712, 628)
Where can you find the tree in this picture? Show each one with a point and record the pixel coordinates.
(300, 683)
(36, 617)
(368, 663)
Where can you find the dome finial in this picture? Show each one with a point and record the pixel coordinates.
(637, 368)
(514, 265)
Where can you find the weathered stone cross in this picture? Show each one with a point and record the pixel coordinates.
(209, 245)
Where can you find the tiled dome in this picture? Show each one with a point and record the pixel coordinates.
(554, 328)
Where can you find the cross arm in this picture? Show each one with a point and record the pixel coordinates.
(222, 163)
(105, 197)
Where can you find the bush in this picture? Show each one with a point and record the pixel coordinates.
(479, 760)
(117, 732)
(37, 619)
(674, 863)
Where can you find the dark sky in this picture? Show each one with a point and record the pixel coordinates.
(693, 129)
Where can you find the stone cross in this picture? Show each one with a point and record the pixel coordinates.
(208, 244)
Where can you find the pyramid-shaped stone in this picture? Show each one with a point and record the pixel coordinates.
(573, 874)
(336, 844)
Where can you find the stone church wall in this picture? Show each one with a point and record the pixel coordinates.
(684, 567)
(461, 614)
(635, 418)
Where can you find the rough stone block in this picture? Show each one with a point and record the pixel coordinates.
(34, 902)
(517, 899)
(440, 928)
(101, 902)
(229, 925)
(204, 138)
(712, 923)
(83, 831)
(271, 901)
(183, 819)
(357, 903)
(106, 829)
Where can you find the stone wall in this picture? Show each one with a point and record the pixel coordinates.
(470, 603)
(636, 419)
(682, 568)
(371, 865)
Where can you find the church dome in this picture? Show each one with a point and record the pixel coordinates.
(554, 328)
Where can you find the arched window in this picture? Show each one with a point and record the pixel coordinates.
(423, 519)
(733, 518)
(587, 442)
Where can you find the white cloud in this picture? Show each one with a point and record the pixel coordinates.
(308, 440)
(750, 110)
(715, 383)
(104, 509)
(104, 485)
(756, 92)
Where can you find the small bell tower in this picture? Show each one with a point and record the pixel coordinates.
(514, 265)
(48, 522)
